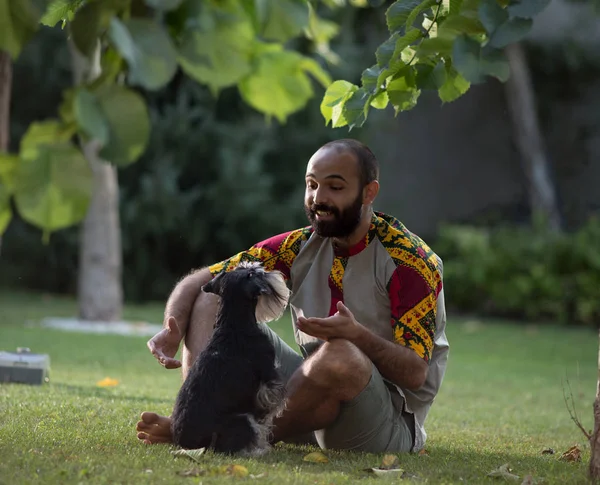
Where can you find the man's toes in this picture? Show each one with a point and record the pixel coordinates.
(150, 418)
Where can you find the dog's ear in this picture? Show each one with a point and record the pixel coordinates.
(214, 285)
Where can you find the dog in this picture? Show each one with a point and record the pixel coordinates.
(233, 390)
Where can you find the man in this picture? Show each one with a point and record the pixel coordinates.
(368, 312)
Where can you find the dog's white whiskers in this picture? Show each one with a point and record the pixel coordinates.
(271, 307)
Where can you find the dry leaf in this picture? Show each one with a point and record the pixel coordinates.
(423, 452)
(260, 475)
(503, 471)
(548, 451)
(316, 457)
(234, 470)
(107, 382)
(572, 454)
(193, 454)
(389, 462)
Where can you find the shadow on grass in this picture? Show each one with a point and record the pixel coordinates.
(439, 465)
(106, 393)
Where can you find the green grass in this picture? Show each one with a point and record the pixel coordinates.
(501, 402)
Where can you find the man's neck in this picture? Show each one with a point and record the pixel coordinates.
(359, 233)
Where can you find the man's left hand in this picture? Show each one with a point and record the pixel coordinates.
(340, 325)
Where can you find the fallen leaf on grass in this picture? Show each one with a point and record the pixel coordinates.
(231, 470)
(548, 451)
(423, 452)
(193, 454)
(316, 457)
(572, 454)
(383, 471)
(107, 382)
(389, 462)
(503, 471)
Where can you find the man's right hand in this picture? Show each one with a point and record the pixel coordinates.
(165, 344)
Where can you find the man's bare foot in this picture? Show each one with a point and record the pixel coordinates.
(153, 429)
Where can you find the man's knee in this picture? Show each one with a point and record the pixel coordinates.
(340, 366)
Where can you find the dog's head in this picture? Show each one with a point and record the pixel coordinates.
(251, 282)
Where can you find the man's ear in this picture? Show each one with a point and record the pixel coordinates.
(370, 192)
(214, 285)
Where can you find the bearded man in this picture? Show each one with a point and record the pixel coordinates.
(367, 308)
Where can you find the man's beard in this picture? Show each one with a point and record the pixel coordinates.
(343, 223)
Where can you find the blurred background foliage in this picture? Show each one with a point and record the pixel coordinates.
(216, 178)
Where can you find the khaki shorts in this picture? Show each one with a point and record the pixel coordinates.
(369, 423)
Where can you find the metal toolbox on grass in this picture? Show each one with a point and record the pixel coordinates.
(24, 367)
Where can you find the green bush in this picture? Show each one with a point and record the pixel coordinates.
(523, 272)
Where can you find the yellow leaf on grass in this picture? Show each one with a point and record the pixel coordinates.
(234, 470)
(389, 462)
(572, 454)
(316, 457)
(107, 382)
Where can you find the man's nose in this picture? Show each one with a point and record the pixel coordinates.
(319, 196)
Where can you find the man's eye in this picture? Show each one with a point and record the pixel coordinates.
(336, 188)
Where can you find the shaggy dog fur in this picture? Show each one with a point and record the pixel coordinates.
(233, 390)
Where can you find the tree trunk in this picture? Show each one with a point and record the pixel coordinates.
(529, 139)
(100, 292)
(594, 469)
(5, 89)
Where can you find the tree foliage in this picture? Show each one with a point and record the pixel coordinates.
(441, 45)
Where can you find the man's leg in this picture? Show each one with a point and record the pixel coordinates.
(154, 428)
(333, 375)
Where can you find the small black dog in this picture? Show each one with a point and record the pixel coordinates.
(233, 390)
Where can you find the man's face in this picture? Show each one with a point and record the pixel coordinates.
(333, 198)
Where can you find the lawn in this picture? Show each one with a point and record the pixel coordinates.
(501, 402)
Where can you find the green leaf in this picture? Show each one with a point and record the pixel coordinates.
(148, 50)
(60, 11)
(89, 23)
(369, 78)
(526, 8)
(90, 117)
(424, 5)
(313, 68)
(403, 91)
(40, 134)
(434, 46)
(53, 190)
(164, 5)
(455, 25)
(218, 51)
(333, 102)
(5, 210)
(320, 30)
(492, 15)
(128, 120)
(454, 86)
(279, 85)
(355, 108)
(513, 30)
(381, 100)
(430, 77)
(282, 20)
(393, 62)
(398, 13)
(8, 169)
(475, 62)
(18, 22)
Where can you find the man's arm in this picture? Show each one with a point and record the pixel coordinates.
(399, 364)
(165, 344)
(181, 301)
